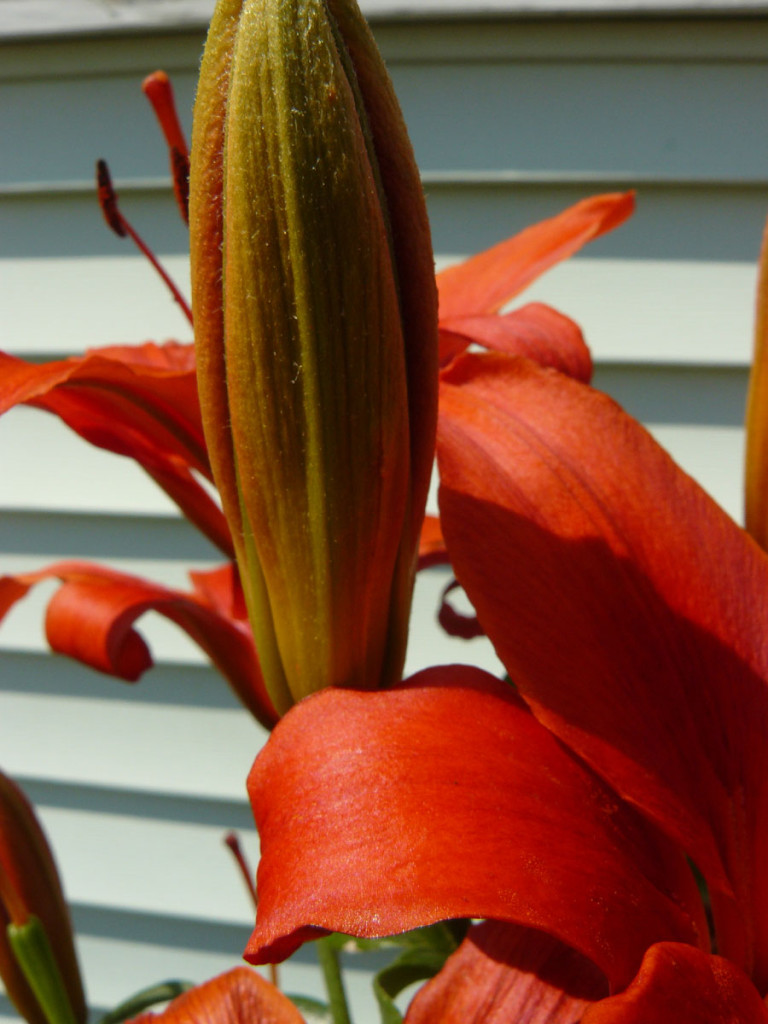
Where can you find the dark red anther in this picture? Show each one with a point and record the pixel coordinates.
(108, 199)
(121, 227)
(180, 173)
(159, 92)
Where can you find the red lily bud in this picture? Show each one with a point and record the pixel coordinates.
(316, 332)
(30, 886)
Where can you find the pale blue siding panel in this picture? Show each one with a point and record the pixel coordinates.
(644, 119)
(62, 125)
(699, 223)
(69, 225)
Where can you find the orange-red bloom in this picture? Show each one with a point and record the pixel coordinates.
(91, 618)
(238, 997)
(141, 402)
(629, 611)
(473, 293)
(134, 400)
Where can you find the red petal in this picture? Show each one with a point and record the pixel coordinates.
(431, 545)
(220, 589)
(140, 402)
(502, 973)
(379, 812)
(240, 996)
(150, 392)
(626, 606)
(681, 985)
(484, 283)
(91, 618)
(536, 331)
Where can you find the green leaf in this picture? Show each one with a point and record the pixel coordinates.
(445, 936)
(329, 958)
(424, 951)
(313, 1010)
(411, 966)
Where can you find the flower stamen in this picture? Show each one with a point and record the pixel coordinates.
(122, 228)
(158, 90)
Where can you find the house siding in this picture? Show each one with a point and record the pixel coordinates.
(512, 119)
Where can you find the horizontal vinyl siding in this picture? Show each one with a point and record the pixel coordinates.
(511, 122)
(53, 18)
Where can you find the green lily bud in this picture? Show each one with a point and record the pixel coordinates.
(315, 314)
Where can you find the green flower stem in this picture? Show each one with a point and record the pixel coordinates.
(328, 956)
(33, 952)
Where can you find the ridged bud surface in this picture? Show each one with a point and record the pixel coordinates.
(315, 321)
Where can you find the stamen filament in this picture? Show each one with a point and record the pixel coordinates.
(117, 223)
(233, 842)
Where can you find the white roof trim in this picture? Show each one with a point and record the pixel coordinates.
(45, 18)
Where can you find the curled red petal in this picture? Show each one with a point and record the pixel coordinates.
(444, 798)
(221, 590)
(456, 623)
(240, 996)
(681, 985)
(91, 618)
(151, 388)
(502, 973)
(140, 402)
(196, 504)
(484, 283)
(535, 330)
(628, 608)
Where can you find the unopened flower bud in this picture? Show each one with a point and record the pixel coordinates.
(316, 323)
(31, 896)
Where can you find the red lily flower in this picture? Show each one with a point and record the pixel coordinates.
(472, 293)
(629, 611)
(238, 997)
(141, 402)
(91, 617)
